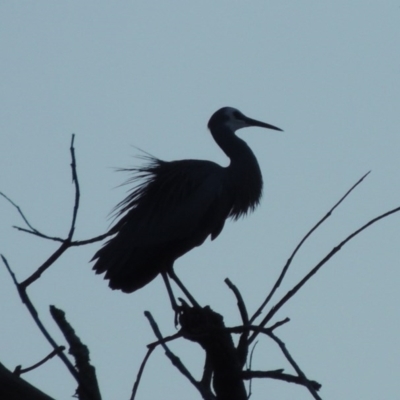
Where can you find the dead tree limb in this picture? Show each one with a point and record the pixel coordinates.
(80, 352)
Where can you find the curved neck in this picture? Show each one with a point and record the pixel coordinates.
(236, 149)
(243, 174)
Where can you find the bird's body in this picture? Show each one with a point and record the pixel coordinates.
(178, 204)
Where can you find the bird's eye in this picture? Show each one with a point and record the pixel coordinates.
(237, 115)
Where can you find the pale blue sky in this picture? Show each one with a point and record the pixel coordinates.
(150, 74)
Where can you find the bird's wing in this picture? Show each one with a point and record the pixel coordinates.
(174, 200)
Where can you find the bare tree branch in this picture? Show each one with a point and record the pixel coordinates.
(73, 243)
(77, 189)
(19, 370)
(240, 302)
(35, 315)
(48, 263)
(301, 374)
(88, 386)
(165, 339)
(19, 211)
(242, 347)
(254, 328)
(337, 248)
(289, 261)
(65, 243)
(278, 374)
(36, 232)
(249, 368)
(140, 372)
(224, 362)
(206, 327)
(206, 394)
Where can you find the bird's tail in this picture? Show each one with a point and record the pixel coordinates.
(127, 268)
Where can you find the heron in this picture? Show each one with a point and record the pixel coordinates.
(176, 205)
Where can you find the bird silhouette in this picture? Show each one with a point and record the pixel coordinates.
(176, 205)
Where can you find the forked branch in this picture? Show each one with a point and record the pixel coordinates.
(302, 241)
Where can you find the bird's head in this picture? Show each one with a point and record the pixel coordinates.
(234, 120)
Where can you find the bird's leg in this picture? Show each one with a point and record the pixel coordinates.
(173, 276)
(171, 296)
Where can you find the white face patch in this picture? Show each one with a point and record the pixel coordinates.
(234, 122)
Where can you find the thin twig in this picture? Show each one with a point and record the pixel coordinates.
(278, 324)
(50, 261)
(289, 261)
(174, 359)
(19, 370)
(19, 211)
(249, 368)
(255, 328)
(140, 372)
(242, 347)
(68, 240)
(73, 243)
(278, 374)
(36, 232)
(77, 189)
(164, 340)
(300, 373)
(39, 234)
(31, 230)
(241, 305)
(337, 248)
(66, 243)
(92, 240)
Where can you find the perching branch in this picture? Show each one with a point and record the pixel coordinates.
(224, 362)
(206, 394)
(206, 327)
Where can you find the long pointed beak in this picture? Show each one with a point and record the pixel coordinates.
(254, 122)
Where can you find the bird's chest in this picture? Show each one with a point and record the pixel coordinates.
(245, 189)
